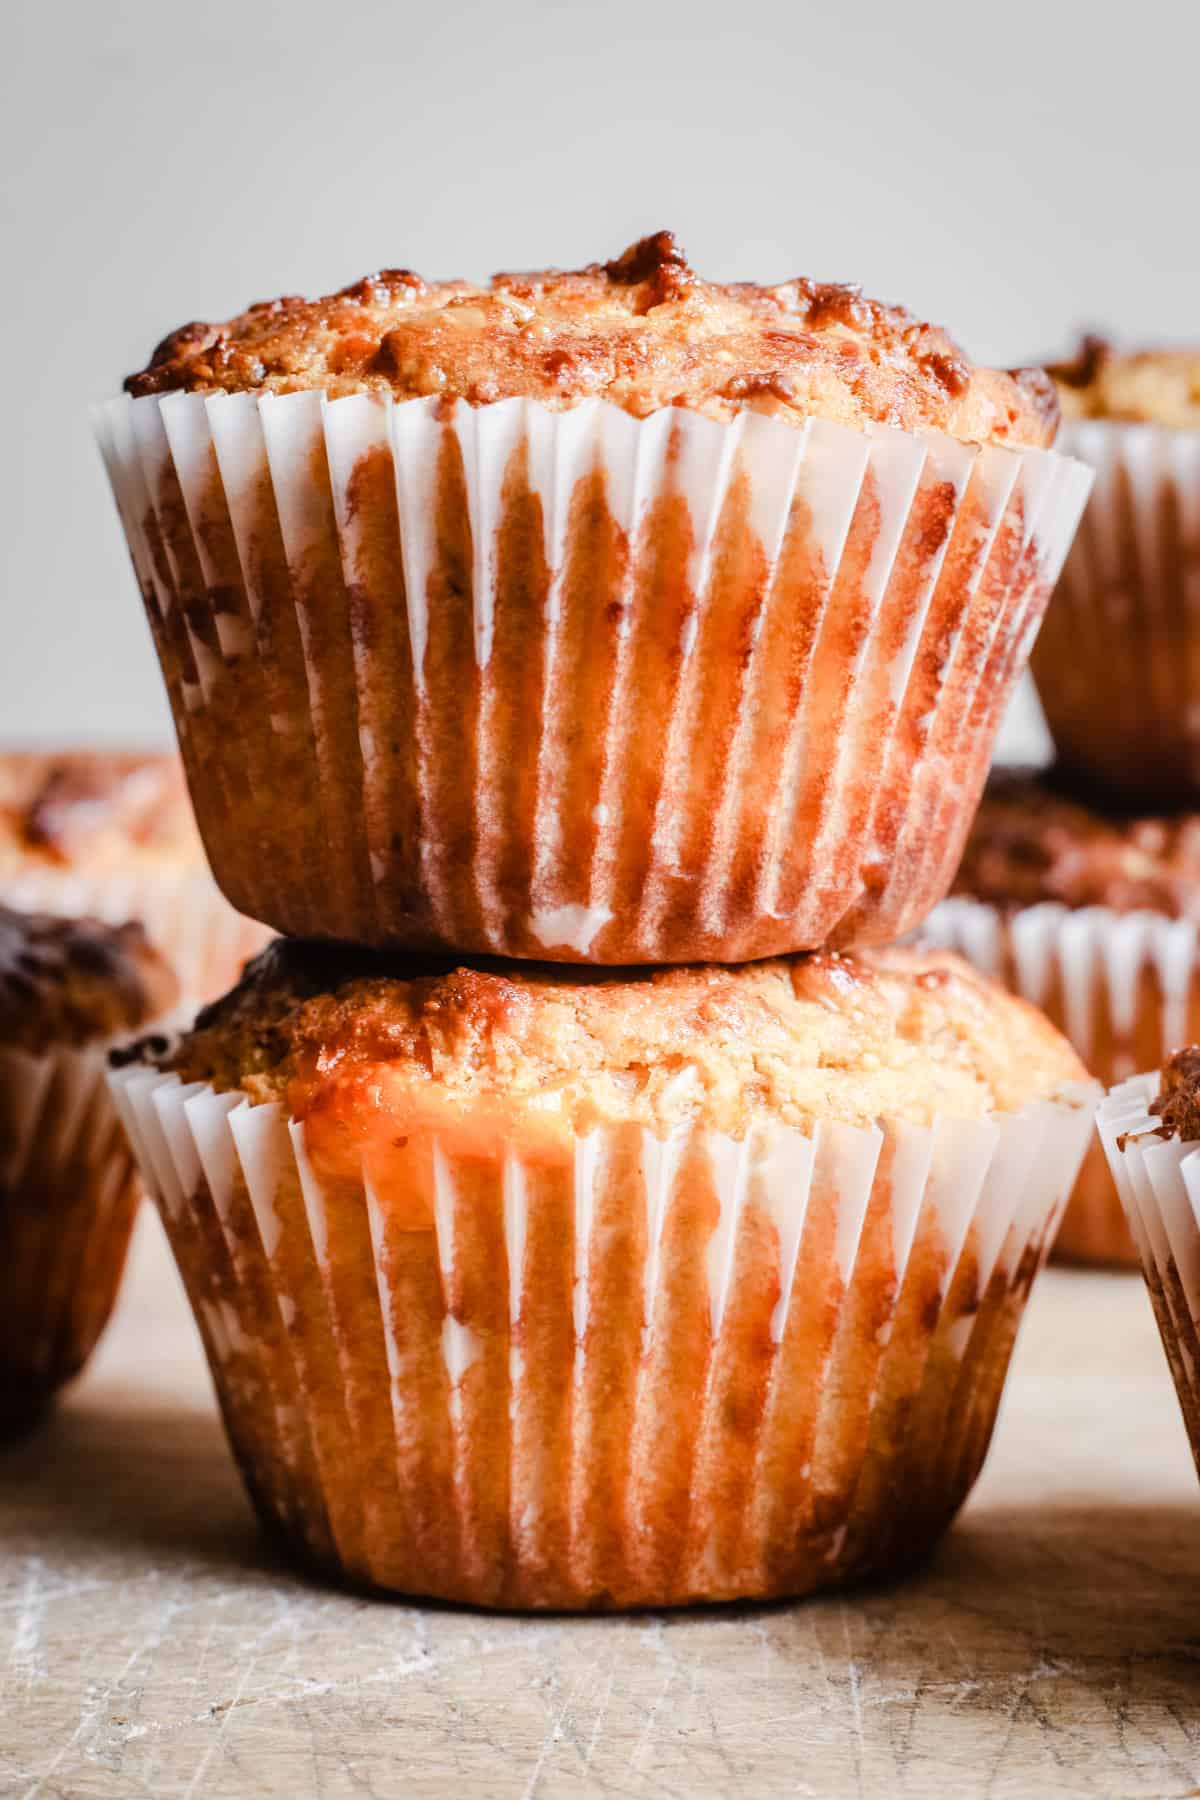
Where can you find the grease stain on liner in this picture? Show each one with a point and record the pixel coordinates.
(645, 1371)
(579, 685)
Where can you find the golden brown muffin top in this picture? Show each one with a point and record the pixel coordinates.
(363, 1044)
(94, 809)
(69, 982)
(1177, 1102)
(1033, 841)
(643, 331)
(1147, 387)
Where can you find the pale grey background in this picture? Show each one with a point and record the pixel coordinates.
(1012, 169)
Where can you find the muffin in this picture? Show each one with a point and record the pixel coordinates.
(1092, 916)
(1150, 1129)
(530, 1286)
(68, 1185)
(1117, 665)
(612, 616)
(110, 834)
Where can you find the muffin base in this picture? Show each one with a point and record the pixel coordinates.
(577, 686)
(1123, 987)
(69, 1192)
(710, 1370)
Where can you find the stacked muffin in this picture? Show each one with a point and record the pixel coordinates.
(540, 654)
(1081, 885)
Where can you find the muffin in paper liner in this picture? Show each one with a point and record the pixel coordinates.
(1158, 1180)
(1117, 664)
(1124, 987)
(576, 685)
(643, 1371)
(183, 911)
(69, 1191)
(70, 990)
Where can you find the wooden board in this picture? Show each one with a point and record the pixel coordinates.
(149, 1646)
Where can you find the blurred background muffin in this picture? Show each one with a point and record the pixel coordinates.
(110, 834)
(1136, 387)
(1117, 664)
(1150, 1129)
(68, 1185)
(1091, 915)
(537, 1287)
(610, 615)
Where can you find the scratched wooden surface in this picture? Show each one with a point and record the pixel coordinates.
(149, 1646)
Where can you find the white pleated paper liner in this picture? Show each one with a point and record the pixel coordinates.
(1118, 664)
(1123, 987)
(1158, 1179)
(579, 686)
(623, 1371)
(68, 1195)
(183, 912)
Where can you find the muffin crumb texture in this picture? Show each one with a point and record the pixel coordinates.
(643, 331)
(71, 982)
(897, 1033)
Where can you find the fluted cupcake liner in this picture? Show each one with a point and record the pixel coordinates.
(579, 686)
(68, 1195)
(1123, 987)
(183, 912)
(612, 1369)
(1158, 1179)
(1117, 666)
